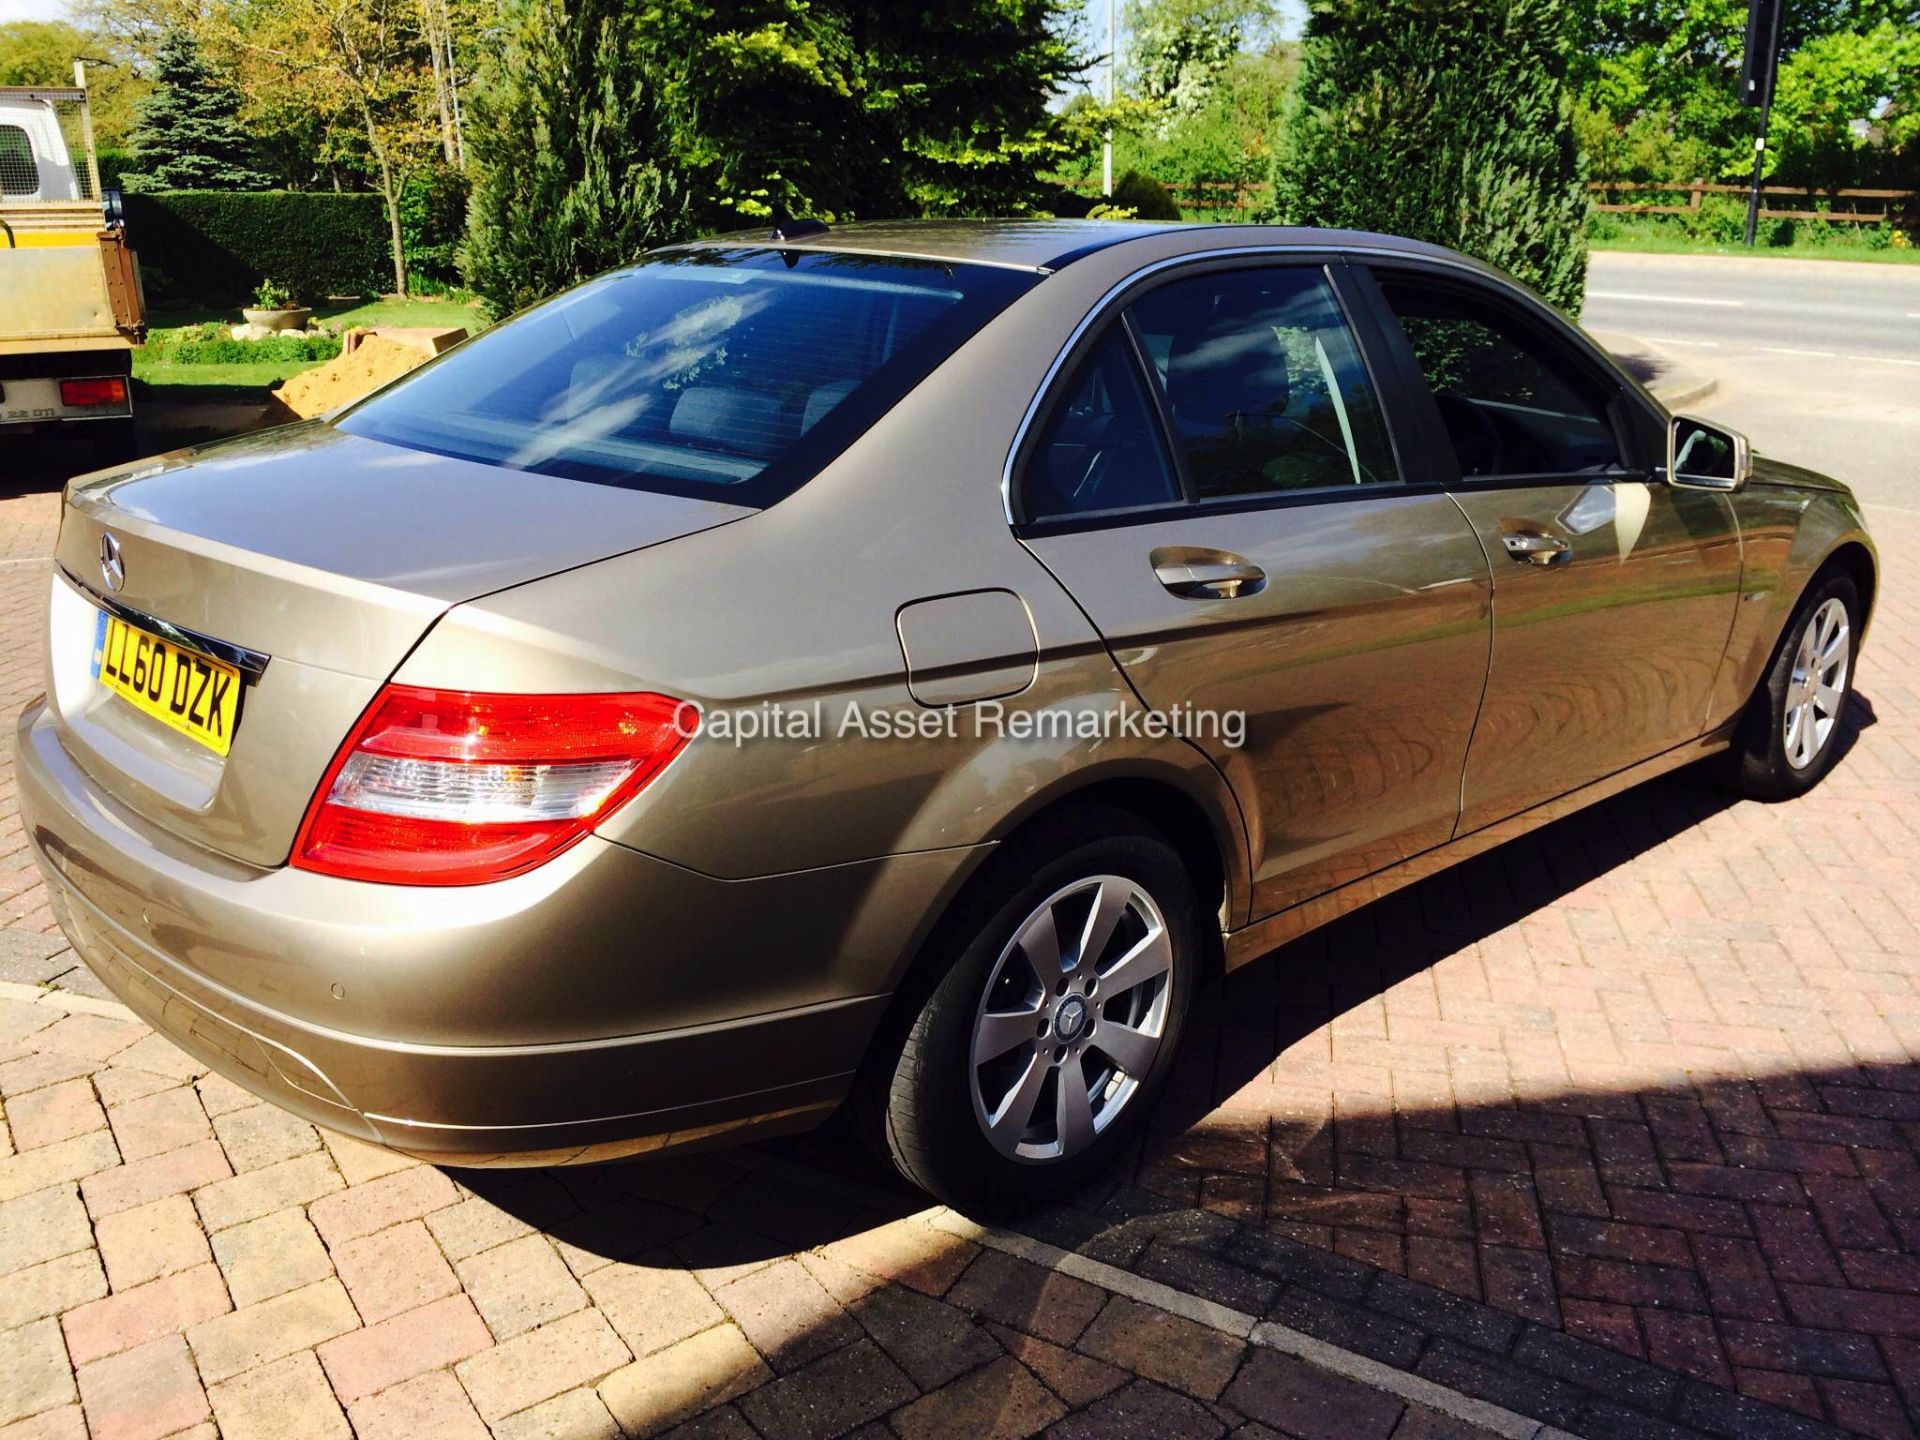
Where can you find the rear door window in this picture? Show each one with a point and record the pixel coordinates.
(19, 172)
(1102, 449)
(733, 373)
(1264, 385)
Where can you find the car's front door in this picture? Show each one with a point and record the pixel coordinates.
(1270, 562)
(1613, 592)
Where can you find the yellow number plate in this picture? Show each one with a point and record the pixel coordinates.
(197, 696)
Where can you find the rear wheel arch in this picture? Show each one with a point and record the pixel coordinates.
(1155, 803)
(1206, 831)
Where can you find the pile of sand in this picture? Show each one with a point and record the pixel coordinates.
(365, 368)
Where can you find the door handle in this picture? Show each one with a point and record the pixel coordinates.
(1211, 579)
(1534, 547)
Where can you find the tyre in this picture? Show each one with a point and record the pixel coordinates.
(114, 442)
(1789, 737)
(1045, 1017)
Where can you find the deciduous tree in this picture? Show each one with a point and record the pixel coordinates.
(362, 62)
(1659, 88)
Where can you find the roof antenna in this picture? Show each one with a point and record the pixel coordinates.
(787, 227)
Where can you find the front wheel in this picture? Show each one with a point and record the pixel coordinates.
(1789, 737)
(1056, 998)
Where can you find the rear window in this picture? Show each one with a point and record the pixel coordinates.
(732, 374)
(19, 173)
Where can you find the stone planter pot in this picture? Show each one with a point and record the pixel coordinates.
(293, 319)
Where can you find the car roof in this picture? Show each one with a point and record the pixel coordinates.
(1046, 245)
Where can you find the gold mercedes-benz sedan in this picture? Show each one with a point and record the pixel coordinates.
(897, 665)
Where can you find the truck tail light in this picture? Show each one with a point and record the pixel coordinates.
(108, 390)
(450, 787)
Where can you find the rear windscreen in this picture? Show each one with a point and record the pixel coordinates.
(734, 374)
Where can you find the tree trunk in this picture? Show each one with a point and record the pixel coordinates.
(435, 40)
(392, 197)
(391, 194)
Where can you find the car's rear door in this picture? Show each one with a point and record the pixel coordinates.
(1273, 561)
(1613, 592)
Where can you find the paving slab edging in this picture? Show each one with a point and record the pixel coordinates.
(1414, 1389)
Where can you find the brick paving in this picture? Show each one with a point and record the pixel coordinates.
(1617, 1129)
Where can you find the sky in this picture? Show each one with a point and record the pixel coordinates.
(1293, 19)
(1096, 13)
(32, 10)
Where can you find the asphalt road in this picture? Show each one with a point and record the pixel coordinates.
(1812, 309)
(1817, 361)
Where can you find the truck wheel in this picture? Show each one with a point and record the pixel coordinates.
(115, 442)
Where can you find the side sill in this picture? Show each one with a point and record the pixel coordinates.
(1276, 930)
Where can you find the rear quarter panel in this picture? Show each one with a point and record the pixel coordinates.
(798, 606)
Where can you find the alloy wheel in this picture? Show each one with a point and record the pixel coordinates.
(1817, 687)
(1075, 1010)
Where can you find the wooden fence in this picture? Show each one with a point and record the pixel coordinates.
(1894, 205)
(1696, 190)
(1202, 194)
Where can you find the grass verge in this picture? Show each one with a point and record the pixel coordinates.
(1669, 245)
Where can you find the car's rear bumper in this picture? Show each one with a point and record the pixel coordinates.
(150, 923)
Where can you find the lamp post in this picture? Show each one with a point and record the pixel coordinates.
(1106, 150)
(1757, 70)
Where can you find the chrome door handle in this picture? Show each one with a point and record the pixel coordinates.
(1532, 547)
(1211, 580)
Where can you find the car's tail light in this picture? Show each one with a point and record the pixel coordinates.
(109, 390)
(449, 787)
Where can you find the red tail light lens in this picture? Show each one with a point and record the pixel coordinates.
(111, 390)
(449, 787)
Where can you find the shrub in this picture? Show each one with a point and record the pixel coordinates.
(1145, 196)
(433, 214)
(114, 164)
(1444, 120)
(215, 246)
(212, 345)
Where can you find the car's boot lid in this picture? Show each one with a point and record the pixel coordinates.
(312, 561)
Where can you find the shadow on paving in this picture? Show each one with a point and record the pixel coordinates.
(1710, 1254)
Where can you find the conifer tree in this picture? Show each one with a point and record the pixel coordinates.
(574, 145)
(186, 136)
(1448, 121)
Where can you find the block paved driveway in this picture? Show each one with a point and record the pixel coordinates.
(1613, 1132)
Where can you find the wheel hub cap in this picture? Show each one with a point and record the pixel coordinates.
(1074, 1013)
(1070, 1019)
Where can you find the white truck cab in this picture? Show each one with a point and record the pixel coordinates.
(71, 309)
(35, 163)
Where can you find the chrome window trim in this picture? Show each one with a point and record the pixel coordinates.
(252, 662)
(1333, 254)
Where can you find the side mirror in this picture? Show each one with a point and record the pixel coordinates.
(113, 209)
(1706, 457)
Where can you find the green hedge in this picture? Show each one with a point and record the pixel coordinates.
(211, 247)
